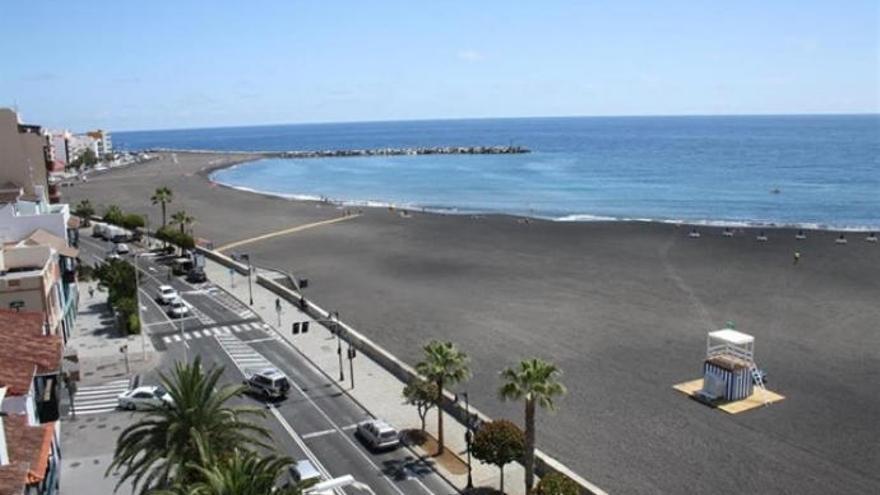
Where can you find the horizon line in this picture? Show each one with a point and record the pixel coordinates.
(442, 119)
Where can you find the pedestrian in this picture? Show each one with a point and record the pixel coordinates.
(91, 292)
(797, 257)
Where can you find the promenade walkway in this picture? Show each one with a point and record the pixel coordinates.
(375, 389)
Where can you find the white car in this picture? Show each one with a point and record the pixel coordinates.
(378, 434)
(122, 248)
(178, 308)
(166, 294)
(145, 397)
(112, 255)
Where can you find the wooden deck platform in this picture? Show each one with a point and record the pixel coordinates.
(757, 399)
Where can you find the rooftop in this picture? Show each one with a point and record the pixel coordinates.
(29, 449)
(24, 350)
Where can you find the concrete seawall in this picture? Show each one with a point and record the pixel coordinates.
(544, 464)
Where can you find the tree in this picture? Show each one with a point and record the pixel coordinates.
(182, 219)
(85, 210)
(87, 158)
(242, 473)
(156, 452)
(499, 442)
(184, 241)
(132, 221)
(444, 364)
(422, 394)
(113, 215)
(162, 196)
(535, 383)
(557, 484)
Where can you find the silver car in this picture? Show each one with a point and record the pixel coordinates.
(378, 434)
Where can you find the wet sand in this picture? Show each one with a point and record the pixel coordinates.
(623, 308)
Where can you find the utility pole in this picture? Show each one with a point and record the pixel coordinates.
(468, 438)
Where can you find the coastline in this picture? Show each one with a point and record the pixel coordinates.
(208, 174)
(622, 307)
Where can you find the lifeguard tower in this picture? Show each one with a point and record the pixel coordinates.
(729, 370)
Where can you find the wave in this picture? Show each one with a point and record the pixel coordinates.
(573, 217)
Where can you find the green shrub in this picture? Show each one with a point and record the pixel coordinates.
(556, 484)
(134, 324)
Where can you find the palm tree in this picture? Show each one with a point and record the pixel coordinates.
(443, 364)
(163, 196)
(241, 473)
(535, 381)
(182, 219)
(155, 451)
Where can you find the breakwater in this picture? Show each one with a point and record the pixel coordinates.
(433, 150)
(430, 150)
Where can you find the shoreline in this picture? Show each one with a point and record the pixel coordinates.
(208, 172)
(622, 307)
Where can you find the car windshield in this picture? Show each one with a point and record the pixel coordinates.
(159, 393)
(387, 434)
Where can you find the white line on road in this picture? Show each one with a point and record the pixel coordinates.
(316, 434)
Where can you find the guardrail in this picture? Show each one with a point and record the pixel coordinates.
(544, 464)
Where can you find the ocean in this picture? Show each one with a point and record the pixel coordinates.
(811, 171)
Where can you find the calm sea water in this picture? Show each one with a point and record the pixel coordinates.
(821, 171)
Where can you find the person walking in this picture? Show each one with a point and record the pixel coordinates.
(91, 292)
(797, 257)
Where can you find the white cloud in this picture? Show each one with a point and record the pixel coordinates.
(470, 55)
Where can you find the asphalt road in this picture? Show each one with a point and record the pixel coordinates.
(315, 422)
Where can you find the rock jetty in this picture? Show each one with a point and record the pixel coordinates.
(444, 150)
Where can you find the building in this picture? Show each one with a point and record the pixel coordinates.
(102, 140)
(30, 370)
(25, 157)
(60, 142)
(38, 273)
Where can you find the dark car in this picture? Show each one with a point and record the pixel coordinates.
(196, 276)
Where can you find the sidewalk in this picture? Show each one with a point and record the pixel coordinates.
(97, 342)
(375, 389)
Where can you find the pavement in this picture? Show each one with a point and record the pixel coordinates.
(373, 388)
(316, 422)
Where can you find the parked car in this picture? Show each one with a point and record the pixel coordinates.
(166, 294)
(269, 383)
(378, 434)
(145, 397)
(196, 276)
(178, 308)
(122, 248)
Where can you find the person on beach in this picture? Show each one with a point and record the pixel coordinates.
(797, 257)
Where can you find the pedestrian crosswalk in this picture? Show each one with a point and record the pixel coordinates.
(201, 316)
(229, 302)
(98, 398)
(219, 330)
(244, 356)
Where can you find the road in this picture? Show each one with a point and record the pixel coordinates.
(316, 421)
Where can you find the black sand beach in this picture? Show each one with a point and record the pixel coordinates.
(623, 308)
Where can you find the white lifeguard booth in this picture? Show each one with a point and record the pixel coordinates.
(729, 370)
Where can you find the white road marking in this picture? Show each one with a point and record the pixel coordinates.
(98, 398)
(316, 434)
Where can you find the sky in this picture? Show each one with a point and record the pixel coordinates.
(162, 64)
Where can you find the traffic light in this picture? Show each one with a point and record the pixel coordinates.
(305, 327)
(296, 328)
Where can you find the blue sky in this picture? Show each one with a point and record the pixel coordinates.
(154, 65)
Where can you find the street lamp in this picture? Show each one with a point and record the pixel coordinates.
(137, 298)
(250, 272)
(334, 317)
(468, 438)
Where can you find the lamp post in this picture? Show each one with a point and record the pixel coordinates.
(334, 317)
(137, 299)
(468, 438)
(250, 272)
